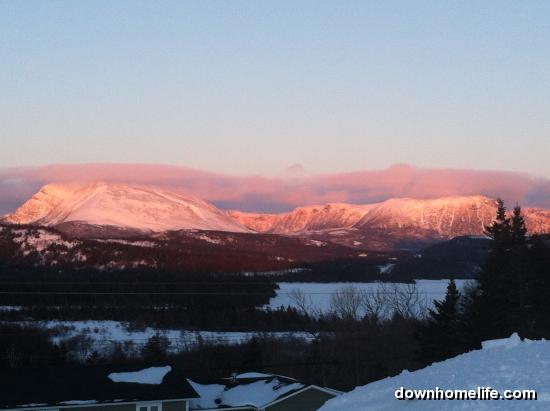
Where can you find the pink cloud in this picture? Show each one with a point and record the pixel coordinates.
(257, 193)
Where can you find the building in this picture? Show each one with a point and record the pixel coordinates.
(96, 388)
(166, 388)
(258, 392)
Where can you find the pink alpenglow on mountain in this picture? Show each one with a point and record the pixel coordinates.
(446, 216)
(303, 219)
(121, 205)
(150, 208)
(451, 216)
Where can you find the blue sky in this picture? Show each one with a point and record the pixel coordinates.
(251, 87)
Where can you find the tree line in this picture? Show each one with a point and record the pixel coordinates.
(512, 294)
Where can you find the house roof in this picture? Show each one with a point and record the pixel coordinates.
(64, 386)
(254, 390)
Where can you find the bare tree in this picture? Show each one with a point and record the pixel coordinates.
(13, 357)
(406, 301)
(80, 346)
(376, 304)
(347, 302)
(301, 300)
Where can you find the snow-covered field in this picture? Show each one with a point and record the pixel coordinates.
(507, 364)
(317, 296)
(103, 335)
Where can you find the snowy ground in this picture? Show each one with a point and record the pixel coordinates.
(318, 295)
(507, 364)
(103, 335)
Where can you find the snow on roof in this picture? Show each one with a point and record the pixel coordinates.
(253, 375)
(152, 375)
(506, 364)
(256, 394)
(78, 402)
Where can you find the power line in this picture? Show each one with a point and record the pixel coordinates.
(204, 293)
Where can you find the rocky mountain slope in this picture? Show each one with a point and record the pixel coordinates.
(304, 219)
(448, 216)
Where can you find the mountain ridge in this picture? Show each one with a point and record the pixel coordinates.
(446, 216)
(156, 209)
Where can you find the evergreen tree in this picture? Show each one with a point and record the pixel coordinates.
(500, 305)
(500, 229)
(518, 228)
(519, 267)
(441, 337)
(537, 289)
(497, 292)
(156, 348)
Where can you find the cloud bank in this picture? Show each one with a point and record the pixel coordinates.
(277, 194)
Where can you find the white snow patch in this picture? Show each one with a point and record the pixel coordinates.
(39, 240)
(386, 268)
(147, 244)
(316, 243)
(507, 364)
(510, 342)
(256, 394)
(253, 375)
(78, 402)
(104, 334)
(152, 375)
(7, 308)
(208, 239)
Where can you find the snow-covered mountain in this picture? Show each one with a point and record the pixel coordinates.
(121, 205)
(445, 217)
(304, 219)
(259, 222)
(75, 208)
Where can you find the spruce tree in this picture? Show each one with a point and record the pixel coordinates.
(498, 307)
(156, 348)
(496, 281)
(500, 229)
(519, 267)
(441, 337)
(518, 228)
(537, 289)
(513, 293)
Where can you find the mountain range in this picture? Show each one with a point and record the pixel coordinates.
(154, 209)
(112, 225)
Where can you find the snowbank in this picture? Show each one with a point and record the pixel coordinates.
(507, 364)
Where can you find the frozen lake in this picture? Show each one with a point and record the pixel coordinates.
(318, 295)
